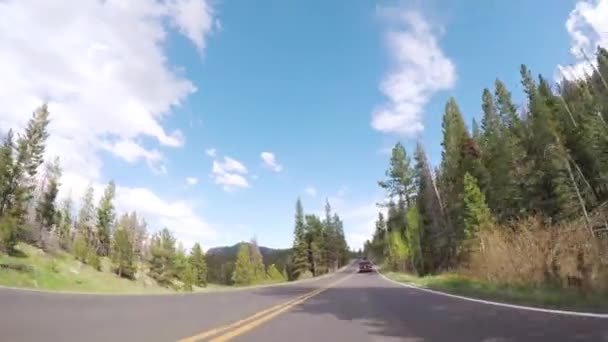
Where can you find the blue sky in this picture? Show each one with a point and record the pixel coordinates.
(177, 100)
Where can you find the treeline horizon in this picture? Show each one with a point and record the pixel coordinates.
(521, 198)
(32, 212)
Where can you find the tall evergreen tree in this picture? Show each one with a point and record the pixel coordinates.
(274, 274)
(162, 257)
(399, 182)
(314, 243)
(199, 265)
(85, 224)
(243, 270)
(122, 254)
(65, 223)
(433, 225)
(477, 215)
(46, 211)
(300, 249)
(105, 219)
(257, 262)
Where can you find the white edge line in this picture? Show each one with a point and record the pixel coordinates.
(487, 302)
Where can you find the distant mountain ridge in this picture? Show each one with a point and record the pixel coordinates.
(231, 251)
(221, 260)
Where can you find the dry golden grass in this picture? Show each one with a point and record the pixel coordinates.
(532, 253)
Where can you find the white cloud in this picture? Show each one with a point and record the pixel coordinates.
(102, 68)
(178, 215)
(587, 26)
(229, 173)
(133, 152)
(270, 161)
(311, 191)
(211, 152)
(420, 70)
(194, 18)
(191, 180)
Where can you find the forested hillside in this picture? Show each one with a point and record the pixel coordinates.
(520, 198)
(221, 260)
(97, 236)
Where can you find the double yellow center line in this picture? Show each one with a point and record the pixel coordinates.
(232, 330)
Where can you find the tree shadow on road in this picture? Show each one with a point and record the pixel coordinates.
(385, 310)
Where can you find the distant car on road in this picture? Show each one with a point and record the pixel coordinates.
(365, 266)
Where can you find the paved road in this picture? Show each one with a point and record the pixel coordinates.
(355, 308)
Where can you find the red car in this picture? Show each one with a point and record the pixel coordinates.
(365, 266)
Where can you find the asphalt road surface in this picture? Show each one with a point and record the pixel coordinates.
(343, 307)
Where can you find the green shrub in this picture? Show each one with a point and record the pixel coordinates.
(8, 234)
(94, 260)
(53, 266)
(80, 248)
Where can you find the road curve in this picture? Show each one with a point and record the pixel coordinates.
(343, 307)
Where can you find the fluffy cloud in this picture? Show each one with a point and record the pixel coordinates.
(211, 152)
(311, 191)
(230, 174)
(177, 215)
(192, 17)
(420, 69)
(191, 180)
(587, 26)
(102, 68)
(132, 152)
(270, 161)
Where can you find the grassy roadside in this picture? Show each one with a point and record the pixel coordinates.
(545, 297)
(61, 272)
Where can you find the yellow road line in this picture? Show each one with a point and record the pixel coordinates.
(257, 315)
(220, 329)
(255, 323)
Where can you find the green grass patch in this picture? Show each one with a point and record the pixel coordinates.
(32, 268)
(546, 297)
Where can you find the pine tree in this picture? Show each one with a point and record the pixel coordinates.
(432, 217)
(514, 157)
(548, 189)
(243, 272)
(257, 262)
(30, 149)
(378, 245)
(274, 274)
(180, 259)
(188, 277)
(7, 177)
(414, 236)
(105, 219)
(199, 265)
(398, 252)
(459, 155)
(86, 218)
(9, 230)
(162, 257)
(300, 250)
(342, 245)
(399, 175)
(122, 254)
(8, 234)
(46, 211)
(65, 224)
(314, 240)
(477, 216)
(332, 246)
